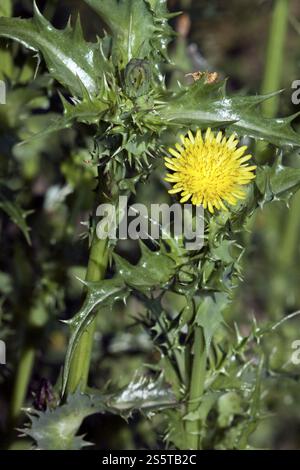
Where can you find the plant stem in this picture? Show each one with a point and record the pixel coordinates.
(285, 259)
(272, 75)
(274, 57)
(80, 364)
(22, 379)
(289, 244)
(273, 68)
(272, 82)
(196, 389)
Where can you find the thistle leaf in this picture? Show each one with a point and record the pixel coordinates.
(70, 59)
(103, 294)
(139, 29)
(155, 268)
(142, 394)
(209, 315)
(277, 182)
(86, 111)
(55, 429)
(18, 216)
(204, 105)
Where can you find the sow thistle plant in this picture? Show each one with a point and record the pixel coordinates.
(208, 383)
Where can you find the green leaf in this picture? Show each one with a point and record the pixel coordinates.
(70, 59)
(142, 394)
(139, 28)
(103, 294)
(204, 105)
(278, 181)
(229, 405)
(56, 429)
(155, 269)
(207, 402)
(12, 208)
(285, 180)
(209, 315)
(86, 111)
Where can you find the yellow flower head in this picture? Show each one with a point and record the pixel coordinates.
(209, 169)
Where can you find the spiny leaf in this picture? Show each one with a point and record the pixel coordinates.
(70, 59)
(277, 181)
(285, 180)
(55, 429)
(18, 216)
(154, 269)
(142, 394)
(209, 315)
(139, 28)
(103, 294)
(204, 105)
(86, 111)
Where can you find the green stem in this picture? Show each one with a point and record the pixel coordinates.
(274, 57)
(272, 76)
(196, 389)
(80, 364)
(285, 259)
(273, 67)
(272, 82)
(22, 379)
(289, 244)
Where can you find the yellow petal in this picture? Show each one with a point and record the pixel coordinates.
(245, 158)
(191, 137)
(174, 153)
(208, 135)
(219, 137)
(174, 191)
(210, 207)
(240, 151)
(185, 198)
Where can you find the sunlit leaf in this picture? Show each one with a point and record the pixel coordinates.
(70, 59)
(204, 105)
(140, 29)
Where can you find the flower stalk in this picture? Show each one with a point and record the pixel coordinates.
(80, 364)
(275, 49)
(21, 383)
(197, 382)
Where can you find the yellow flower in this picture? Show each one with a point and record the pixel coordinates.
(209, 170)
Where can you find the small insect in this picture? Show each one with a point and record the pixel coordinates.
(209, 77)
